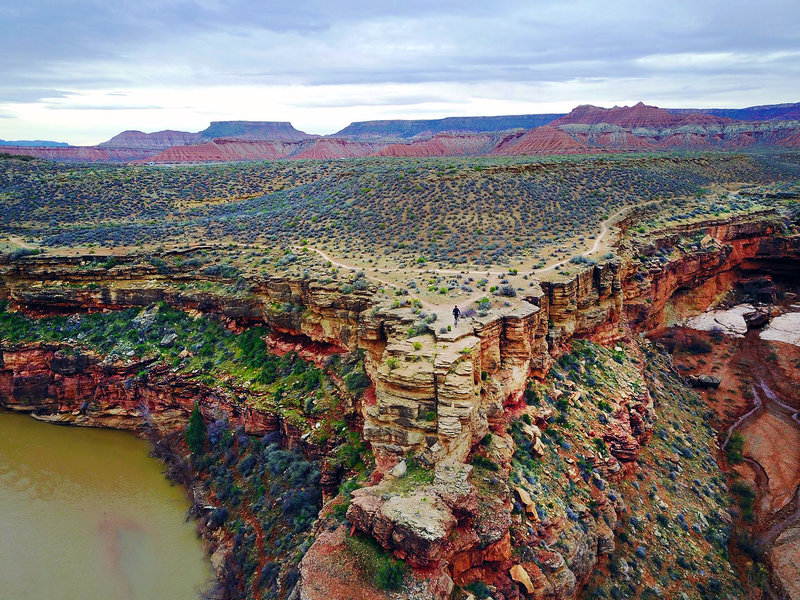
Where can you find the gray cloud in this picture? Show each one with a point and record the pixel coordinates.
(691, 51)
(317, 42)
(23, 95)
(389, 100)
(102, 107)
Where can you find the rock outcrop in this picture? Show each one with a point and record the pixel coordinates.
(159, 140)
(59, 385)
(435, 396)
(543, 140)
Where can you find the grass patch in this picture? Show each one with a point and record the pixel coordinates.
(386, 572)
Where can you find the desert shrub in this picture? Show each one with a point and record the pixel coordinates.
(357, 380)
(507, 290)
(479, 589)
(219, 516)
(388, 573)
(735, 448)
(22, 252)
(484, 463)
(196, 431)
(222, 271)
(745, 497)
(581, 260)
(246, 465)
(697, 345)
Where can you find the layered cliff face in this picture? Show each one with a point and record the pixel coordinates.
(61, 385)
(436, 395)
(154, 142)
(310, 308)
(694, 264)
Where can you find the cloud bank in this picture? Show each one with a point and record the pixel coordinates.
(83, 70)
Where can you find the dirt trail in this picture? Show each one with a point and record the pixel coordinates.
(605, 227)
(792, 411)
(765, 399)
(746, 417)
(443, 308)
(253, 522)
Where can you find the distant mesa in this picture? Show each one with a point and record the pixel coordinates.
(232, 130)
(34, 143)
(585, 129)
(769, 112)
(254, 130)
(158, 140)
(404, 129)
(639, 115)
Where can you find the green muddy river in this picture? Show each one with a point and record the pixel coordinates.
(86, 514)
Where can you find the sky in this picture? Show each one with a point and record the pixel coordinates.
(82, 71)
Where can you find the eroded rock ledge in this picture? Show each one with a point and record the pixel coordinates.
(435, 395)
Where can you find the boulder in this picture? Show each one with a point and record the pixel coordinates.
(535, 436)
(704, 381)
(168, 340)
(756, 319)
(451, 484)
(527, 502)
(418, 524)
(520, 575)
(421, 526)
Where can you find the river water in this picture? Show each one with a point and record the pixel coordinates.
(86, 514)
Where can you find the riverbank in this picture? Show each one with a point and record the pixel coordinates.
(93, 511)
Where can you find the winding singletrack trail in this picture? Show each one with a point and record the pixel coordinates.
(442, 309)
(605, 228)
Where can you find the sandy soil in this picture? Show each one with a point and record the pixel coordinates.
(772, 441)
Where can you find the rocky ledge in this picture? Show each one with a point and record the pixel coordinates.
(445, 399)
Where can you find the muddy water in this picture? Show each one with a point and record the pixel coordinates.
(86, 514)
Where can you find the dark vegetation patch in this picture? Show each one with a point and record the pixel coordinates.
(267, 499)
(376, 564)
(415, 210)
(205, 351)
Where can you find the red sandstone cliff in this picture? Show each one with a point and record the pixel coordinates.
(543, 140)
(449, 538)
(638, 115)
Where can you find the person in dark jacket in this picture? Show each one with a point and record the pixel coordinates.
(456, 314)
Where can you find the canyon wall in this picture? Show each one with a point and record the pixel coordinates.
(435, 395)
(63, 386)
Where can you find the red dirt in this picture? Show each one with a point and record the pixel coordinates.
(332, 148)
(542, 140)
(160, 140)
(227, 150)
(442, 145)
(793, 141)
(639, 115)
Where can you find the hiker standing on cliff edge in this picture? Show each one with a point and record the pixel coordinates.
(456, 314)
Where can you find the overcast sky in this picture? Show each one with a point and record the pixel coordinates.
(81, 71)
